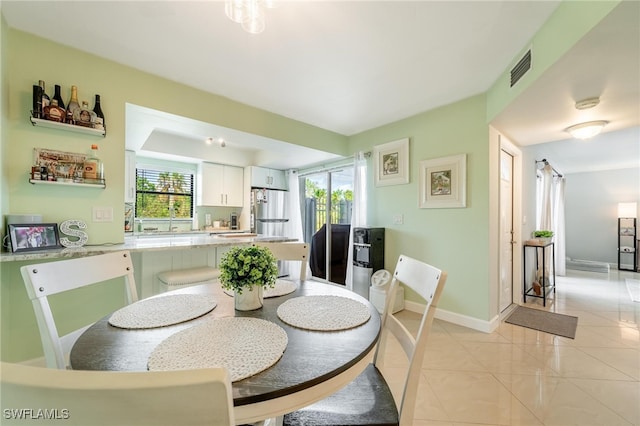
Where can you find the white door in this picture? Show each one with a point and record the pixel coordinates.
(506, 230)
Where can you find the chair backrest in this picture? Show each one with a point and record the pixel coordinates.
(70, 397)
(46, 279)
(428, 282)
(290, 251)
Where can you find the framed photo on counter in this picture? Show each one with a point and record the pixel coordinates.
(34, 236)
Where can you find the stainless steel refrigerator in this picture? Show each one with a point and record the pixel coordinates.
(268, 215)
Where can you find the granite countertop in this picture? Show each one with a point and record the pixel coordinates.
(136, 243)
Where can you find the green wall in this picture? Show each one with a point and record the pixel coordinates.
(23, 56)
(455, 240)
(117, 86)
(4, 102)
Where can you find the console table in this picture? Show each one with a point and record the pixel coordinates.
(547, 281)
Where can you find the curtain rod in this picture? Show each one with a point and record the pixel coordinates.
(546, 163)
(333, 166)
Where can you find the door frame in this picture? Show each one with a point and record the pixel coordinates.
(507, 235)
(507, 146)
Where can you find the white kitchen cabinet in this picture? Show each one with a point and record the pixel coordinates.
(263, 177)
(129, 177)
(219, 185)
(233, 186)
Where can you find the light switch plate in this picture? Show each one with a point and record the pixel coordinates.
(398, 219)
(103, 214)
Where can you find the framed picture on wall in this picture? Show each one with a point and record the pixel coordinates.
(443, 182)
(34, 236)
(391, 163)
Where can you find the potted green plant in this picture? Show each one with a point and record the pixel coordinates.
(543, 235)
(247, 270)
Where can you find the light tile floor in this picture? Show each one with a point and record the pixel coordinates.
(518, 376)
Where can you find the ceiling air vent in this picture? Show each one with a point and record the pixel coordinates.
(521, 68)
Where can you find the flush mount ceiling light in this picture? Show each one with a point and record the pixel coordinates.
(222, 143)
(586, 130)
(249, 13)
(209, 141)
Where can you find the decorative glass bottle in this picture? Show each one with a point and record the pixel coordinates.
(84, 116)
(45, 98)
(53, 112)
(37, 111)
(72, 105)
(93, 166)
(57, 96)
(100, 123)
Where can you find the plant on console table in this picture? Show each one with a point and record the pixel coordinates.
(543, 236)
(247, 271)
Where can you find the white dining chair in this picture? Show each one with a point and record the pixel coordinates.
(290, 251)
(46, 279)
(70, 397)
(368, 400)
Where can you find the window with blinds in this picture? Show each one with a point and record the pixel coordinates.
(158, 190)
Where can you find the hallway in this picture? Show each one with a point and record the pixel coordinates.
(518, 376)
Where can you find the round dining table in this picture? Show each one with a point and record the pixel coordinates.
(314, 364)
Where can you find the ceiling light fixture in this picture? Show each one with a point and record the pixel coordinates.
(586, 130)
(248, 13)
(209, 141)
(222, 143)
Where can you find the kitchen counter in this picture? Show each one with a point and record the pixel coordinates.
(146, 242)
(205, 231)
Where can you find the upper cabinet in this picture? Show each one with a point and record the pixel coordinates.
(262, 177)
(220, 185)
(129, 177)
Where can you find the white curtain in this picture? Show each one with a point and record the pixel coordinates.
(293, 228)
(550, 215)
(545, 216)
(559, 225)
(359, 210)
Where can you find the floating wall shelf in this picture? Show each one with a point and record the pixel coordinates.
(101, 185)
(68, 127)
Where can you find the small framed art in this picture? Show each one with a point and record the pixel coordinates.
(391, 163)
(34, 236)
(443, 182)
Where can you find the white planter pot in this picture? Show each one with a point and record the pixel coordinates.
(250, 299)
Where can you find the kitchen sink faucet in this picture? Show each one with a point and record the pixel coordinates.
(172, 214)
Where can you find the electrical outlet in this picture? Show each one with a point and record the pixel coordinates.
(103, 214)
(398, 219)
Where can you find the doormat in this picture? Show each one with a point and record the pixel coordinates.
(548, 322)
(633, 287)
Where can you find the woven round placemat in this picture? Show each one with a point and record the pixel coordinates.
(162, 311)
(323, 313)
(244, 346)
(281, 288)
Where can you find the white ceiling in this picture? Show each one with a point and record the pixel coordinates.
(346, 66)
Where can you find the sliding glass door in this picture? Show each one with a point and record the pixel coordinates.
(326, 221)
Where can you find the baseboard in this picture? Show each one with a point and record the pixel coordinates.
(458, 319)
(588, 265)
